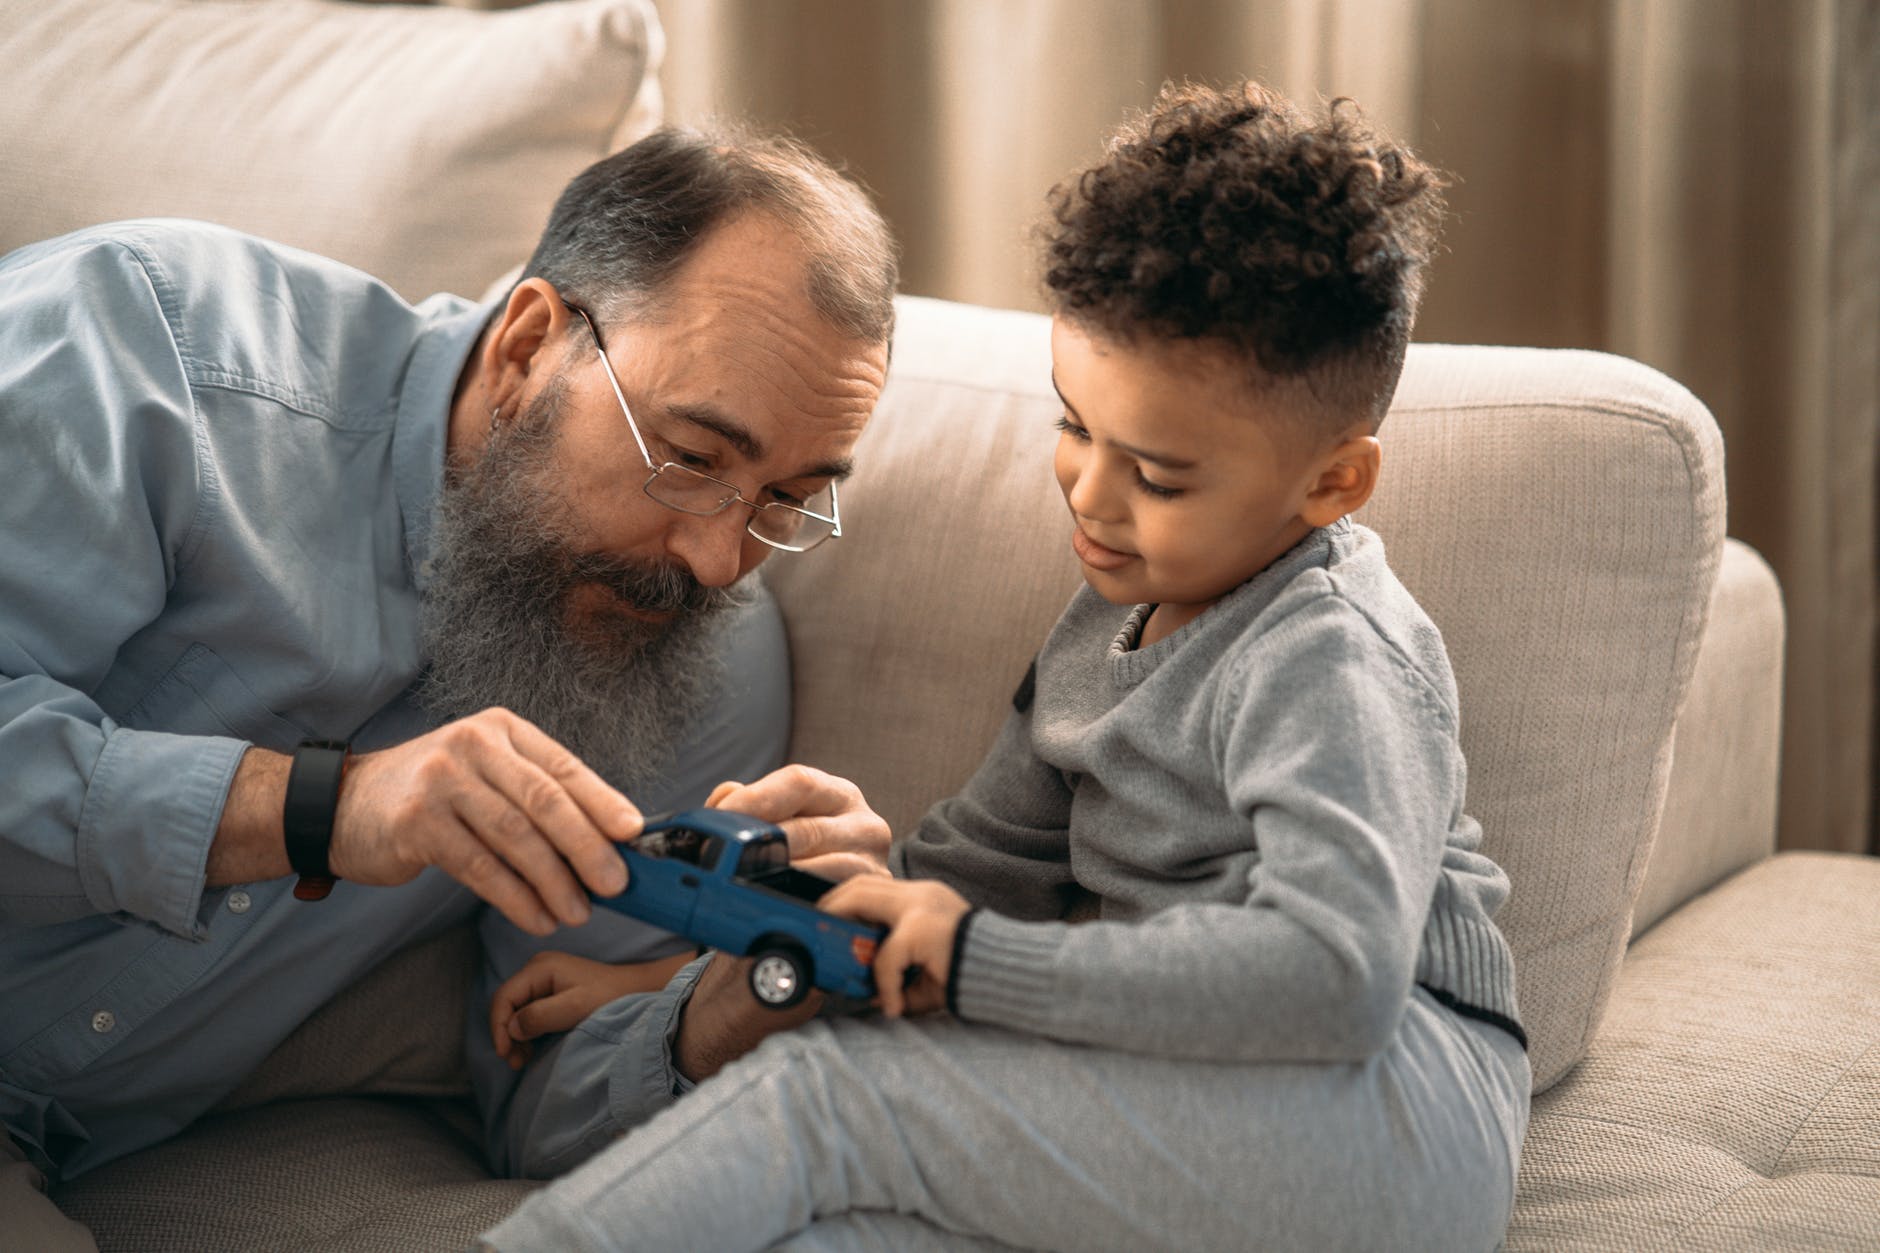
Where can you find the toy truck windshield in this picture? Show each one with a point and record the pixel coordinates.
(683, 844)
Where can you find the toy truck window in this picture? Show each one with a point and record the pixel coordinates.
(761, 859)
(680, 844)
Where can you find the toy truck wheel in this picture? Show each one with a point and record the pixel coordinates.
(781, 975)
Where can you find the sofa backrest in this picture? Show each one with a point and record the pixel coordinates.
(1559, 515)
(421, 145)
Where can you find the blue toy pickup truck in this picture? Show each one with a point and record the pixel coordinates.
(725, 880)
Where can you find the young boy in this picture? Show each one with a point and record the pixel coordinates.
(1293, 1022)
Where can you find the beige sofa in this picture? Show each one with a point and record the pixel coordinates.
(1704, 1013)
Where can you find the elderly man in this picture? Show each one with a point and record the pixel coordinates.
(322, 615)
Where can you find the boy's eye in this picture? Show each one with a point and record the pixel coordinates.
(1156, 489)
(1070, 428)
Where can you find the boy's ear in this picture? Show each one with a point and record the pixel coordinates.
(533, 314)
(1347, 476)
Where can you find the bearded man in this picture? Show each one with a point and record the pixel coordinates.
(323, 615)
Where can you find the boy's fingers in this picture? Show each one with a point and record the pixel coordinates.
(561, 1012)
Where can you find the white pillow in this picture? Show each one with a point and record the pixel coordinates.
(423, 145)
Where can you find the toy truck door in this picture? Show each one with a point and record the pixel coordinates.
(678, 863)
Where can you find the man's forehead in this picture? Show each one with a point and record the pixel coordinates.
(753, 447)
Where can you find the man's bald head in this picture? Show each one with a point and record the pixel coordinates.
(627, 222)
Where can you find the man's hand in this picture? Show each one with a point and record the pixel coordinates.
(832, 830)
(922, 917)
(557, 991)
(496, 804)
(833, 833)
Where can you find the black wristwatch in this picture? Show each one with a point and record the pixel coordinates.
(307, 815)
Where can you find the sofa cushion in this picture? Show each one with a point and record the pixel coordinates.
(1720, 803)
(909, 635)
(398, 1031)
(1732, 1097)
(361, 1174)
(422, 145)
(1559, 514)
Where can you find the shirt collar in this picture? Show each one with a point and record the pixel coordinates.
(452, 325)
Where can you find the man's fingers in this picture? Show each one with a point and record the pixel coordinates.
(840, 866)
(495, 821)
(789, 792)
(616, 816)
(473, 864)
(578, 813)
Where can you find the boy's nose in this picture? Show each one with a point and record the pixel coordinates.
(1089, 496)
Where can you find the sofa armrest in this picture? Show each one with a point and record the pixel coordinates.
(1720, 802)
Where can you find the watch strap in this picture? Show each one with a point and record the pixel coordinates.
(307, 814)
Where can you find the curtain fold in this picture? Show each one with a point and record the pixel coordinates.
(1694, 183)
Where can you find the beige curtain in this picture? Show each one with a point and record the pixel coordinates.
(1695, 183)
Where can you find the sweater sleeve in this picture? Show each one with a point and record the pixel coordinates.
(1003, 842)
(1342, 761)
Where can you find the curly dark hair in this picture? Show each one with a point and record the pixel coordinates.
(1232, 216)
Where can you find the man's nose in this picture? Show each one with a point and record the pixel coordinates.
(712, 548)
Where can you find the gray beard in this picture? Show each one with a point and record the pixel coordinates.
(620, 693)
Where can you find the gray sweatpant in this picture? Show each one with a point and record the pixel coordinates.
(868, 1134)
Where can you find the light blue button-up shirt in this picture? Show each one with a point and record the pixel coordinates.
(218, 462)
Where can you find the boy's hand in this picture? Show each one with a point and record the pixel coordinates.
(556, 991)
(832, 830)
(922, 917)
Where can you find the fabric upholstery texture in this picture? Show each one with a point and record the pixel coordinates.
(1566, 722)
(397, 1032)
(1560, 515)
(337, 1174)
(1731, 1100)
(422, 145)
(1720, 810)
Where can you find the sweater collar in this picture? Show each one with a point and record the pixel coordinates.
(1130, 665)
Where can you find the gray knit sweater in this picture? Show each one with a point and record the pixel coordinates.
(1267, 808)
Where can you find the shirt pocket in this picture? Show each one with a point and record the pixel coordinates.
(201, 695)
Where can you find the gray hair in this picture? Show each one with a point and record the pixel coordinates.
(627, 222)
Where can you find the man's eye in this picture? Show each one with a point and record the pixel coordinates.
(690, 460)
(1070, 428)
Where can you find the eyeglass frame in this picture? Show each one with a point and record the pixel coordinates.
(835, 505)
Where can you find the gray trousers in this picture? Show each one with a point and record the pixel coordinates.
(935, 1134)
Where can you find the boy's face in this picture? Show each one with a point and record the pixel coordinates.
(1180, 487)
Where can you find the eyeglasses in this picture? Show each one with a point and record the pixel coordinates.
(792, 528)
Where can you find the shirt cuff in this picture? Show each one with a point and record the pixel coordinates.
(644, 1079)
(150, 816)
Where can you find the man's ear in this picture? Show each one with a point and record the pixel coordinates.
(532, 317)
(1346, 477)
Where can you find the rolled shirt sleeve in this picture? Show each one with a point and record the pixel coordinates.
(103, 495)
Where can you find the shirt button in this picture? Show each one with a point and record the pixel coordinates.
(103, 1021)
(238, 902)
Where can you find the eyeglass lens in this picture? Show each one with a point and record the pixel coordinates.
(686, 489)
